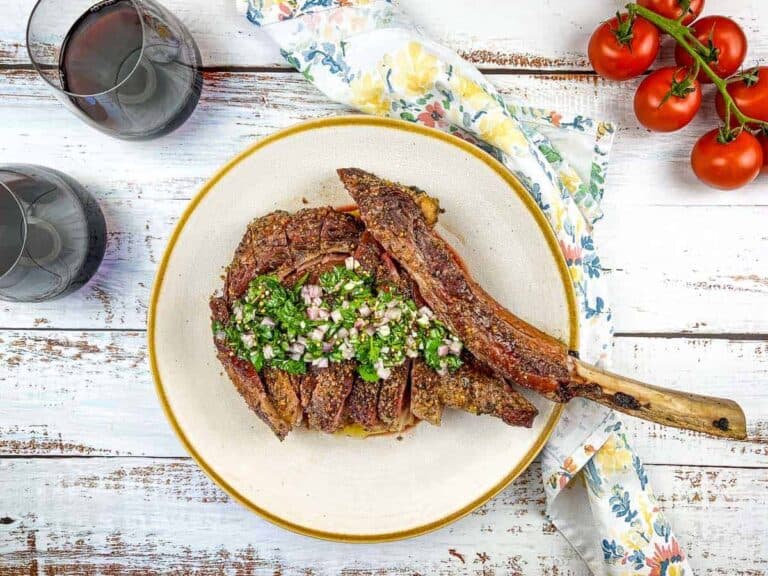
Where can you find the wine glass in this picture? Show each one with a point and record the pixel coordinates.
(52, 234)
(129, 68)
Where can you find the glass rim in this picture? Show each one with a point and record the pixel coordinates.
(39, 69)
(25, 226)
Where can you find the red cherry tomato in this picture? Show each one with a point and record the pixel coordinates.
(619, 51)
(763, 139)
(727, 43)
(727, 165)
(667, 100)
(750, 95)
(674, 8)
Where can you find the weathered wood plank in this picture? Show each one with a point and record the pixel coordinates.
(131, 516)
(549, 35)
(70, 393)
(672, 267)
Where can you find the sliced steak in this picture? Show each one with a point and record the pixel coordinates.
(263, 249)
(280, 243)
(514, 349)
(425, 393)
(283, 390)
(363, 404)
(246, 379)
(393, 394)
(471, 389)
(332, 386)
(315, 232)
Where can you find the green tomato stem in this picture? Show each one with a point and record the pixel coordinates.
(685, 38)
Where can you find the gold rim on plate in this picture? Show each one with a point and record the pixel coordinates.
(388, 123)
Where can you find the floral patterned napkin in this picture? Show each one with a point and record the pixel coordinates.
(368, 55)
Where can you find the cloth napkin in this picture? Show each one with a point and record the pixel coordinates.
(369, 55)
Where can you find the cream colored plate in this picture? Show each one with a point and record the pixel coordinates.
(336, 487)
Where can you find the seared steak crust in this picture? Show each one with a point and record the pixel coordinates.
(283, 389)
(280, 243)
(310, 242)
(332, 386)
(514, 349)
(245, 378)
(471, 389)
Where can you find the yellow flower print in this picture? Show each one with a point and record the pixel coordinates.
(470, 92)
(577, 275)
(613, 456)
(632, 540)
(368, 94)
(570, 180)
(500, 130)
(414, 70)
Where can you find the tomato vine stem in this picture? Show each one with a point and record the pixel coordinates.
(691, 44)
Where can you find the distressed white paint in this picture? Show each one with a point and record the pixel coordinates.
(550, 34)
(680, 258)
(116, 515)
(69, 393)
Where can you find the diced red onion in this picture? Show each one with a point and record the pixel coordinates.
(267, 321)
(327, 347)
(342, 333)
(394, 314)
(364, 311)
(383, 373)
(320, 362)
(297, 348)
(336, 316)
(316, 335)
(249, 340)
(268, 352)
(455, 347)
(313, 312)
(443, 350)
(359, 323)
(351, 263)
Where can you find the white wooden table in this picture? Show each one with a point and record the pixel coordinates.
(93, 481)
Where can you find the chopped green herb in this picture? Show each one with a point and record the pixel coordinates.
(341, 318)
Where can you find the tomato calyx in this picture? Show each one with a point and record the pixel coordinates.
(680, 88)
(750, 77)
(727, 135)
(709, 52)
(625, 30)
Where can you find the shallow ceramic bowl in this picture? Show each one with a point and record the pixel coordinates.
(338, 487)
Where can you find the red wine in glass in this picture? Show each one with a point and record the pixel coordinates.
(128, 67)
(52, 234)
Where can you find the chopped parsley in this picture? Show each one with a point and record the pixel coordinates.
(343, 317)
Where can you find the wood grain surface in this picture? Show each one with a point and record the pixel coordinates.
(93, 481)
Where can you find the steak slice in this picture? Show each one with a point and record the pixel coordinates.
(514, 349)
(425, 393)
(393, 394)
(283, 390)
(331, 387)
(281, 242)
(246, 379)
(471, 389)
(264, 248)
(363, 404)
